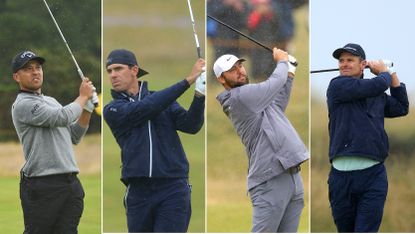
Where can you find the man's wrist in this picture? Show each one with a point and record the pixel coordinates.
(199, 94)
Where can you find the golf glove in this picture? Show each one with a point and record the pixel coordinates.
(389, 65)
(292, 64)
(89, 106)
(200, 85)
(391, 70)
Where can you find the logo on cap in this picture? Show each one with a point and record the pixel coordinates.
(350, 48)
(27, 54)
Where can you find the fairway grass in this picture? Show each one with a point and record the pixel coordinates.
(11, 215)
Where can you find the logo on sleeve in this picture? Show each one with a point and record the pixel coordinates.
(34, 109)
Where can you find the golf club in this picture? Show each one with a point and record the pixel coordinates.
(194, 29)
(387, 63)
(95, 99)
(246, 36)
(240, 33)
(324, 70)
(203, 74)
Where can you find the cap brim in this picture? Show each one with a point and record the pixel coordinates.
(339, 51)
(141, 72)
(230, 66)
(239, 60)
(37, 58)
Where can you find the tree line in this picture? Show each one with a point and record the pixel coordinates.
(27, 25)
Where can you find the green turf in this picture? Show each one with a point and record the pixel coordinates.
(11, 215)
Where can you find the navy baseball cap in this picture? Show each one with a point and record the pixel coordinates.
(22, 58)
(354, 49)
(126, 57)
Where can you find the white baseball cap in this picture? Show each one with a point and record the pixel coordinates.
(225, 63)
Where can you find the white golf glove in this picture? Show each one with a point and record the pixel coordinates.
(200, 85)
(389, 65)
(387, 62)
(89, 106)
(391, 70)
(292, 64)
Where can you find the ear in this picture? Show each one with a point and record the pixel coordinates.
(16, 77)
(221, 79)
(135, 70)
(363, 64)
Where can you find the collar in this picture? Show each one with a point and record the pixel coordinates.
(125, 95)
(30, 92)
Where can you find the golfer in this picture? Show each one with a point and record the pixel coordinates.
(359, 145)
(145, 124)
(275, 151)
(50, 192)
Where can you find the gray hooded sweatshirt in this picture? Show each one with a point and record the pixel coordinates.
(47, 131)
(257, 114)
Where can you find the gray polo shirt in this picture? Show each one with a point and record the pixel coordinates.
(257, 112)
(47, 131)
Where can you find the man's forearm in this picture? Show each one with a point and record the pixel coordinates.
(395, 81)
(84, 119)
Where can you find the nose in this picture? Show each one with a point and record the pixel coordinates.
(36, 70)
(112, 74)
(238, 70)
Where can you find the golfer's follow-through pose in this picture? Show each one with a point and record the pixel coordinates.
(359, 145)
(274, 149)
(145, 124)
(50, 192)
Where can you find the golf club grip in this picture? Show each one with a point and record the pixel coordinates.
(95, 99)
(198, 52)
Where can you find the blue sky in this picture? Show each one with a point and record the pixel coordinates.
(385, 29)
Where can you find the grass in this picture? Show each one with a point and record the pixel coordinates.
(229, 208)
(161, 36)
(11, 214)
(88, 158)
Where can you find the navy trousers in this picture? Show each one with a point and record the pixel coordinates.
(158, 205)
(52, 204)
(357, 198)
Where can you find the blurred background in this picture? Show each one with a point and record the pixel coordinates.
(281, 23)
(161, 36)
(27, 25)
(384, 29)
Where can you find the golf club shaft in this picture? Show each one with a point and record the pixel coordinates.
(328, 70)
(240, 33)
(324, 70)
(387, 62)
(194, 29)
(81, 74)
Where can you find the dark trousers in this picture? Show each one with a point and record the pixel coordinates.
(357, 198)
(158, 205)
(51, 204)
